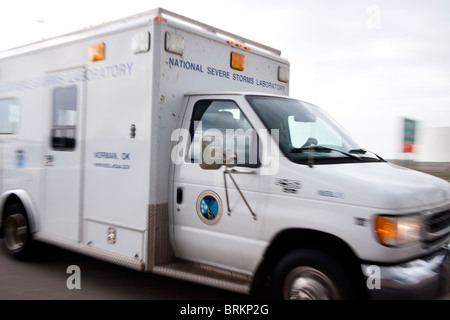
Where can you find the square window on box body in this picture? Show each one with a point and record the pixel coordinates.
(140, 42)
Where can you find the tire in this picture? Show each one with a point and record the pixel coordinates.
(308, 274)
(16, 232)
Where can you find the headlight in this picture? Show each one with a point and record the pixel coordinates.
(396, 231)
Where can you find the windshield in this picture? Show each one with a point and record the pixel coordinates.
(306, 133)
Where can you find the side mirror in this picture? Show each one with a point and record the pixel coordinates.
(229, 162)
(213, 166)
(212, 151)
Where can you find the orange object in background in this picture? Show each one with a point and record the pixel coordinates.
(408, 147)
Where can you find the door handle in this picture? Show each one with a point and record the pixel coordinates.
(241, 170)
(49, 160)
(179, 195)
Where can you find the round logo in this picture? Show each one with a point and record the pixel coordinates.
(209, 207)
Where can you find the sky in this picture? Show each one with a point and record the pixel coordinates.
(368, 63)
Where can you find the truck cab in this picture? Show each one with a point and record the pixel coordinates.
(264, 182)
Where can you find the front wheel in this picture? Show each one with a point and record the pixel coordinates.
(307, 274)
(16, 234)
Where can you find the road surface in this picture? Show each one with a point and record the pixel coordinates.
(46, 279)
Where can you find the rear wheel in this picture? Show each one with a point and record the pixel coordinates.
(16, 234)
(307, 274)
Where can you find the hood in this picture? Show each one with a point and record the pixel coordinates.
(380, 185)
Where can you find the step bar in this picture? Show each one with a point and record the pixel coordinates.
(206, 275)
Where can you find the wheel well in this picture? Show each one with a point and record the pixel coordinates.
(292, 239)
(9, 201)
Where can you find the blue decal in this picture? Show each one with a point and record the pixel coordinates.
(209, 207)
(20, 158)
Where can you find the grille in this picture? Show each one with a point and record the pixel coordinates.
(438, 223)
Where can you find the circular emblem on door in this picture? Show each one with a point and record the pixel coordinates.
(209, 207)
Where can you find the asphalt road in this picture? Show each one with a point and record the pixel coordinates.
(46, 279)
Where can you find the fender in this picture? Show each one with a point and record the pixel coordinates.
(25, 199)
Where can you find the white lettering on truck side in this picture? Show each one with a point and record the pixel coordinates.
(68, 77)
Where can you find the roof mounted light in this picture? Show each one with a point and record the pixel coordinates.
(237, 61)
(174, 43)
(283, 74)
(160, 19)
(97, 51)
(140, 42)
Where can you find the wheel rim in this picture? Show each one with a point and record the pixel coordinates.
(307, 283)
(16, 232)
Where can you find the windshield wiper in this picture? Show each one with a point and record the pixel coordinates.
(362, 151)
(358, 151)
(324, 149)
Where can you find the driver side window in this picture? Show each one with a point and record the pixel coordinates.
(221, 133)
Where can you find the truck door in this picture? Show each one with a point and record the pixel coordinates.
(63, 169)
(217, 213)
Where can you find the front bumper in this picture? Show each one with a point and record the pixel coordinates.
(424, 278)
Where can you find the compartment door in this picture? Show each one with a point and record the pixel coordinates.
(63, 158)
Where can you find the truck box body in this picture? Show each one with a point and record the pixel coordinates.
(109, 179)
(102, 134)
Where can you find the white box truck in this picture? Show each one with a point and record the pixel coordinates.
(169, 146)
